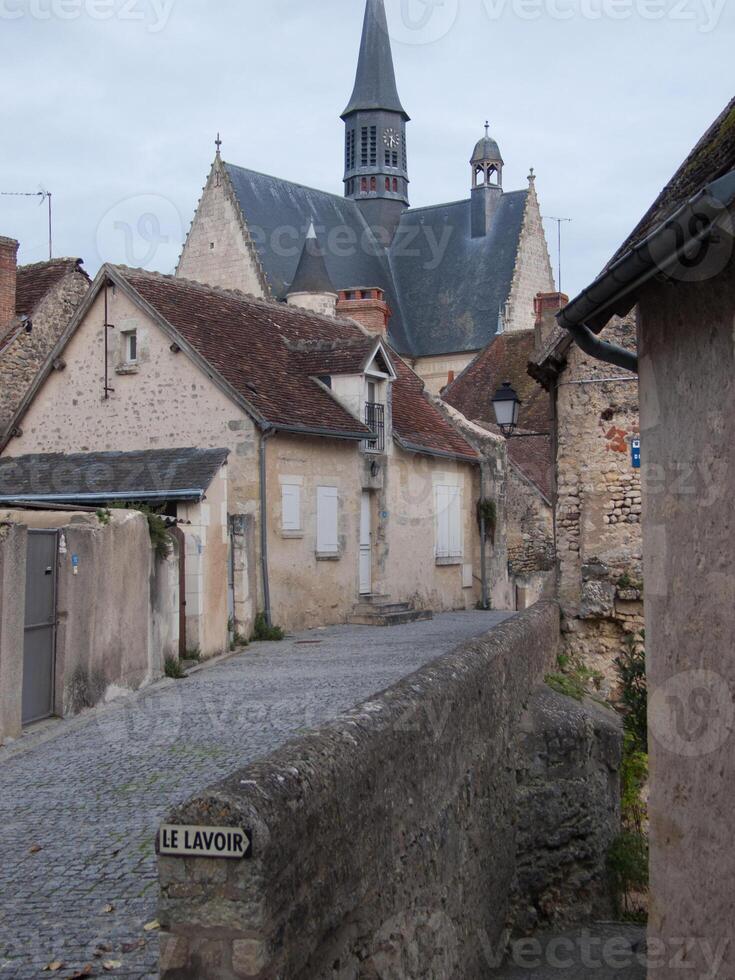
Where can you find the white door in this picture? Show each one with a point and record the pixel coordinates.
(366, 546)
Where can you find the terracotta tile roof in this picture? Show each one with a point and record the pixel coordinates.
(268, 353)
(35, 281)
(507, 358)
(417, 420)
(711, 158)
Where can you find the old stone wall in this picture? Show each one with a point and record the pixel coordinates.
(13, 546)
(25, 353)
(533, 273)
(531, 549)
(384, 843)
(568, 803)
(599, 505)
(219, 250)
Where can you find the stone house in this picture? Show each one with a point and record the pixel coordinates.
(451, 273)
(348, 494)
(597, 495)
(530, 488)
(36, 304)
(678, 268)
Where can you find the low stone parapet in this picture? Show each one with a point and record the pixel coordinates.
(383, 843)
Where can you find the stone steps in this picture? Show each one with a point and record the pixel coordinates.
(380, 611)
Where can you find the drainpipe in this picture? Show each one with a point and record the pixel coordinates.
(483, 544)
(265, 436)
(601, 350)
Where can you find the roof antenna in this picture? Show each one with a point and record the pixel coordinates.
(559, 222)
(45, 196)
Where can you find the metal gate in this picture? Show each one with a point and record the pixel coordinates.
(39, 646)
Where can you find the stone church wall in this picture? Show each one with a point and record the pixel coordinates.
(218, 249)
(599, 506)
(531, 550)
(533, 273)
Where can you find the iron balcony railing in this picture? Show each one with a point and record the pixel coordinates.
(375, 420)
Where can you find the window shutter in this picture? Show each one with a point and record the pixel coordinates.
(448, 522)
(327, 533)
(291, 504)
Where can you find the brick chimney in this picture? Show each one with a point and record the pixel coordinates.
(8, 281)
(546, 306)
(367, 306)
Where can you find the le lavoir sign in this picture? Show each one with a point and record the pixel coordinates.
(205, 842)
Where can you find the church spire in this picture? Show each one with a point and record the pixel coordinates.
(375, 83)
(376, 161)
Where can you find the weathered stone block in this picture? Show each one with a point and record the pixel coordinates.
(598, 600)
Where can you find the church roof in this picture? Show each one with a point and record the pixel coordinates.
(375, 83)
(486, 149)
(445, 287)
(311, 273)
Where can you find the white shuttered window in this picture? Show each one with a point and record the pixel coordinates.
(291, 506)
(448, 502)
(327, 521)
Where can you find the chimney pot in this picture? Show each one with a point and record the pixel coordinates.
(367, 306)
(8, 282)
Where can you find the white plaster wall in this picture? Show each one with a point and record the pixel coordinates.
(434, 371)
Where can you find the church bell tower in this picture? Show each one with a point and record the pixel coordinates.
(376, 162)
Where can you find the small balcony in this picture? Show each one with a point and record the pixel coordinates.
(375, 420)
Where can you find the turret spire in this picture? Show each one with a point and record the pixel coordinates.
(375, 83)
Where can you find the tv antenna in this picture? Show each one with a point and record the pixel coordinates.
(45, 196)
(559, 223)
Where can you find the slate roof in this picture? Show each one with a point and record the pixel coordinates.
(442, 303)
(711, 158)
(159, 474)
(36, 281)
(266, 352)
(311, 273)
(375, 82)
(506, 359)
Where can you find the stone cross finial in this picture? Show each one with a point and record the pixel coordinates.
(532, 176)
(487, 128)
(218, 144)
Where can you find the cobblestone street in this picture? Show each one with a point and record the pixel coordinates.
(80, 801)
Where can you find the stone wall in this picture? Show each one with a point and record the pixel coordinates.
(384, 843)
(531, 550)
(598, 505)
(25, 353)
(219, 250)
(13, 545)
(569, 756)
(533, 273)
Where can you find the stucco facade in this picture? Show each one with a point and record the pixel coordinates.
(687, 410)
(166, 400)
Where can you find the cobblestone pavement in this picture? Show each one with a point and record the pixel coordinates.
(80, 802)
(607, 951)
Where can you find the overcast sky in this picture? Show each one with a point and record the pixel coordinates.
(113, 105)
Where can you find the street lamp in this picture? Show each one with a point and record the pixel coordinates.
(507, 407)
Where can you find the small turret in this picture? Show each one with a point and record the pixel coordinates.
(312, 287)
(487, 183)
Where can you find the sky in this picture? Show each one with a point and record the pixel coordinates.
(114, 106)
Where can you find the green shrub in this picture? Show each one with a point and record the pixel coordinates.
(157, 527)
(574, 679)
(631, 668)
(262, 631)
(627, 864)
(173, 669)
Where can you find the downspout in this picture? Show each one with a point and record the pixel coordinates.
(483, 543)
(265, 436)
(601, 350)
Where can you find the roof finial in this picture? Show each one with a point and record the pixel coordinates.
(532, 176)
(487, 128)
(218, 144)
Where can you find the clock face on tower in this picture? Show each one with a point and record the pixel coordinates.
(392, 139)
